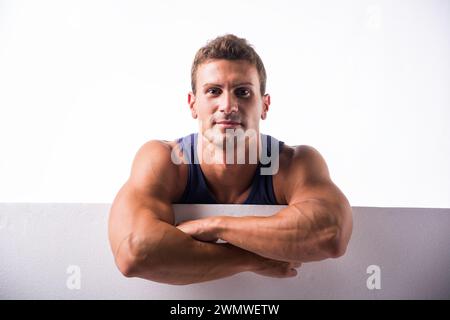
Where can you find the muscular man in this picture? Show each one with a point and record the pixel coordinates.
(228, 98)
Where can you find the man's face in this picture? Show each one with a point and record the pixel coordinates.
(227, 97)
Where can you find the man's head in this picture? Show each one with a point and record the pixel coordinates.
(229, 47)
(228, 84)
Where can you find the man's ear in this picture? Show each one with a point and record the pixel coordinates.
(265, 106)
(191, 102)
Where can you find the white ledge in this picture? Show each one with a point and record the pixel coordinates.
(40, 241)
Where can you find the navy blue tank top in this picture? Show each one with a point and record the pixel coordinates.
(197, 191)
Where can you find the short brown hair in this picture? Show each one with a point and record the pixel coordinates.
(229, 47)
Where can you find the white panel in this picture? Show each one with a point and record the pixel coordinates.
(39, 242)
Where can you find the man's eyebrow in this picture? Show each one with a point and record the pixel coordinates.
(236, 85)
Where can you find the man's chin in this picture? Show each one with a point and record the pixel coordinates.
(220, 136)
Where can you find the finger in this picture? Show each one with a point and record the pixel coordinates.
(185, 229)
(292, 273)
(288, 271)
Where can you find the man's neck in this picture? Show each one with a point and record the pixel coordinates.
(229, 179)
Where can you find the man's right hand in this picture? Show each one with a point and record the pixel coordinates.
(276, 269)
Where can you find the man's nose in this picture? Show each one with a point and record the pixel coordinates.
(228, 104)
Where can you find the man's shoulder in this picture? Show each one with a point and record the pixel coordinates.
(156, 161)
(160, 150)
(295, 157)
(303, 151)
(299, 162)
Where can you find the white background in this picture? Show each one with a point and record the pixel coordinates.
(83, 84)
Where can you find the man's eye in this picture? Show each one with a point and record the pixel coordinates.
(242, 92)
(213, 91)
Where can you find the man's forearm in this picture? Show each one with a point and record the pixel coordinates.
(165, 254)
(306, 231)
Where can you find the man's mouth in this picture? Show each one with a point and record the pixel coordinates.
(227, 123)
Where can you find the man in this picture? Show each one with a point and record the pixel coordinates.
(228, 98)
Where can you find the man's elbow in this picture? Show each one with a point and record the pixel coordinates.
(336, 247)
(131, 257)
(126, 266)
(127, 263)
(132, 266)
(337, 244)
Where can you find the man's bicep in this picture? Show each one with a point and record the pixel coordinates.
(143, 200)
(313, 191)
(153, 179)
(153, 171)
(134, 213)
(309, 178)
(148, 203)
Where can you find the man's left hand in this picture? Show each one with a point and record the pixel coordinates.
(200, 229)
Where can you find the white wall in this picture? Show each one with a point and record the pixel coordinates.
(83, 84)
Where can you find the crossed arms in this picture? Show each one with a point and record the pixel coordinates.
(316, 225)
